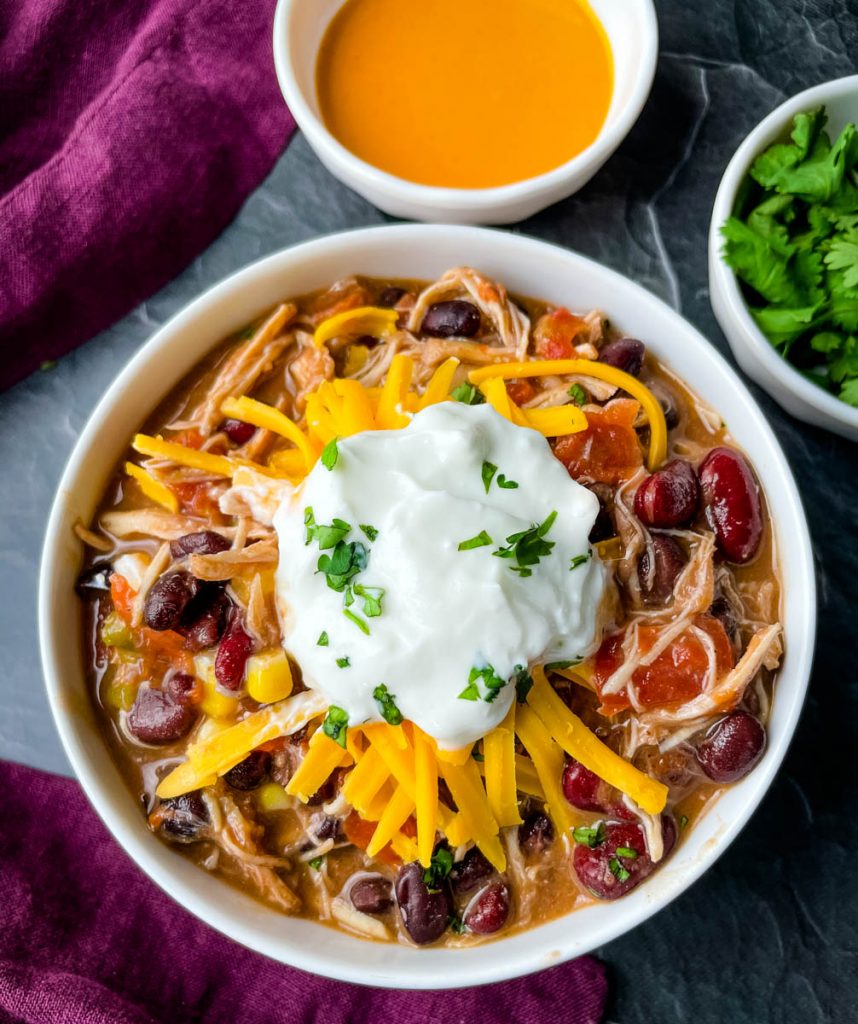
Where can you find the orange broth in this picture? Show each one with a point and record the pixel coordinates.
(465, 93)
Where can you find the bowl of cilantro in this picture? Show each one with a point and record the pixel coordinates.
(783, 255)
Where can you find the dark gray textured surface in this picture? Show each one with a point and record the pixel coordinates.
(771, 933)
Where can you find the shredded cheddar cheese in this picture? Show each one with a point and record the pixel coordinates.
(170, 451)
(501, 788)
(376, 321)
(152, 487)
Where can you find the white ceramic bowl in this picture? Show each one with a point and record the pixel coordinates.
(528, 267)
(753, 351)
(299, 26)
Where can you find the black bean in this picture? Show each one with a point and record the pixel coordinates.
(390, 296)
(249, 773)
(625, 354)
(169, 596)
(472, 869)
(658, 578)
(94, 579)
(184, 819)
(155, 717)
(205, 618)
(425, 914)
(372, 895)
(324, 827)
(535, 833)
(206, 542)
(454, 318)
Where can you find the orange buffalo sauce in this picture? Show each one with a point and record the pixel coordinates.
(465, 93)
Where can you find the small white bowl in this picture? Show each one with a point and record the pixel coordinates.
(632, 30)
(527, 267)
(753, 351)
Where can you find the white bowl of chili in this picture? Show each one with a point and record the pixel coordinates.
(631, 30)
(755, 353)
(528, 267)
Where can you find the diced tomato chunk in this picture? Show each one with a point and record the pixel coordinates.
(196, 498)
(555, 334)
(122, 596)
(606, 452)
(521, 390)
(189, 438)
(677, 675)
(359, 832)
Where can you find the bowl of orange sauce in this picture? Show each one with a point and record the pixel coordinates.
(465, 111)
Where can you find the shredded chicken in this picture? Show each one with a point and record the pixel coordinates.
(153, 570)
(511, 324)
(154, 522)
(225, 564)
(261, 616)
(243, 367)
(92, 539)
(309, 368)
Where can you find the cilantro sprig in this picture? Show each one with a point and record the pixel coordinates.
(387, 705)
(335, 724)
(439, 868)
(467, 394)
(525, 549)
(492, 684)
(793, 243)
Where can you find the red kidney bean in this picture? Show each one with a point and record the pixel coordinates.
(454, 318)
(658, 578)
(249, 773)
(535, 833)
(390, 296)
(238, 431)
(184, 819)
(669, 496)
(731, 501)
(472, 869)
(488, 910)
(732, 747)
(168, 598)
(609, 874)
(372, 895)
(425, 914)
(625, 354)
(584, 789)
(232, 654)
(94, 580)
(155, 717)
(206, 542)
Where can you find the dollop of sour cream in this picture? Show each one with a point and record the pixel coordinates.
(443, 625)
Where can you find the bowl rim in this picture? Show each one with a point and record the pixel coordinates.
(507, 958)
(462, 200)
(724, 278)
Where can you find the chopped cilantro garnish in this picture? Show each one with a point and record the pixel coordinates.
(476, 755)
(507, 485)
(346, 561)
(457, 925)
(309, 522)
(553, 666)
(627, 852)
(335, 724)
(683, 821)
(488, 473)
(580, 560)
(330, 454)
(387, 703)
(371, 597)
(617, 870)
(577, 394)
(491, 681)
(467, 394)
(316, 863)
(527, 547)
(481, 540)
(357, 620)
(370, 531)
(343, 662)
(325, 536)
(439, 868)
(794, 245)
(590, 836)
(523, 683)
(323, 639)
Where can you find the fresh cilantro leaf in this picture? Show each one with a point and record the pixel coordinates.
(323, 639)
(528, 547)
(492, 683)
(846, 363)
(523, 683)
(343, 662)
(476, 755)
(357, 620)
(387, 703)
(309, 522)
(843, 255)
(683, 821)
(335, 724)
(316, 863)
(370, 531)
(346, 561)
(457, 925)
(467, 394)
(827, 341)
(330, 454)
(626, 852)
(591, 836)
(439, 868)
(579, 560)
(507, 485)
(481, 540)
(371, 599)
(849, 392)
(618, 871)
(577, 394)
(759, 264)
(488, 473)
(553, 666)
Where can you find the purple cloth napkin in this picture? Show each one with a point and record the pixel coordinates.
(86, 938)
(130, 133)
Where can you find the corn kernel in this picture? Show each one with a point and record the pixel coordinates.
(269, 677)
